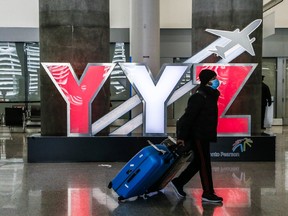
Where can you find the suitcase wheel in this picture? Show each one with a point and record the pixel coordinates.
(110, 185)
(120, 198)
(144, 196)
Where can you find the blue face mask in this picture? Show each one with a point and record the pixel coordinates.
(215, 83)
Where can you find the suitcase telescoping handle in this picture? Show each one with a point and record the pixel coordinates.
(155, 147)
(172, 140)
(169, 142)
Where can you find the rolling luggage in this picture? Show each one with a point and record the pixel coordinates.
(142, 171)
(178, 163)
(181, 156)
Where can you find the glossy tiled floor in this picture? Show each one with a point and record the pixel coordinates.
(80, 189)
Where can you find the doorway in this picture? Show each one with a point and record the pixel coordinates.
(283, 71)
(275, 71)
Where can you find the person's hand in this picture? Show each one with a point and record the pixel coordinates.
(180, 142)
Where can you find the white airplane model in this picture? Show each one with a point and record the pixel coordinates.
(236, 37)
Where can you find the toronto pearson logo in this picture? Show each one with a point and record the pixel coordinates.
(242, 144)
(238, 147)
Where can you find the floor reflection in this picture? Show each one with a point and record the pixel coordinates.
(87, 192)
(79, 201)
(11, 145)
(5, 135)
(80, 189)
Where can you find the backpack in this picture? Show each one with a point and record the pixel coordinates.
(180, 123)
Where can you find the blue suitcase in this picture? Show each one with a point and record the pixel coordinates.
(181, 155)
(142, 171)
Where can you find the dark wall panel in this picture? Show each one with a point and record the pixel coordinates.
(230, 15)
(76, 32)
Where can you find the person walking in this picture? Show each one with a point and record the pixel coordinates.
(196, 128)
(266, 100)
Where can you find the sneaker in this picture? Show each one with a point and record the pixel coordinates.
(213, 198)
(178, 190)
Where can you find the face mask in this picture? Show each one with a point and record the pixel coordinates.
(215, 83)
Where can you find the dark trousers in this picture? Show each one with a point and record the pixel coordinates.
(201, 162)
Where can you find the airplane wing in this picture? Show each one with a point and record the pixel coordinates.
(247, 45)
(226, 34)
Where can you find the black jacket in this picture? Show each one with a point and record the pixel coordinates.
(201, 116)
(266, 95)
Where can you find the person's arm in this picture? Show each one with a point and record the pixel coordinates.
(194, 106)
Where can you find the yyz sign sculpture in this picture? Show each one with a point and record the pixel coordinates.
(157, 94)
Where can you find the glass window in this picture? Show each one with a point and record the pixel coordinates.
(19, 72)
(12, 78)
(119, 84)
(33, 68)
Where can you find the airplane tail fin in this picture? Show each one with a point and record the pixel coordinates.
(220, 51)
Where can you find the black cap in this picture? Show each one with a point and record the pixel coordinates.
(206, 75)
